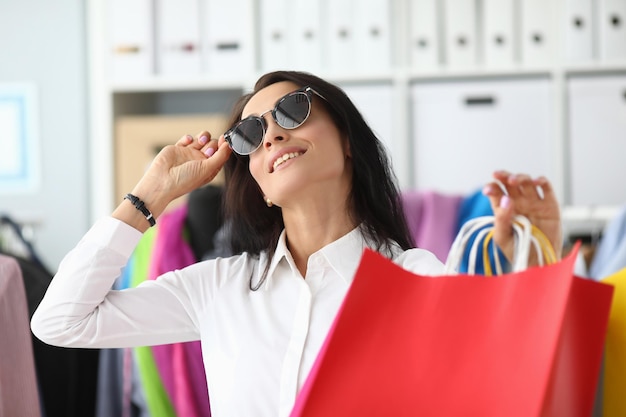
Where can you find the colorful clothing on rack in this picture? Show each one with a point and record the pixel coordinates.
(180, 365)
(432, 219)
(157, 399)
(610, 255)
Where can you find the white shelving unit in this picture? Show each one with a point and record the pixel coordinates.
(106, 103)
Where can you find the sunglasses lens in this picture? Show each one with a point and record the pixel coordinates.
(293, 110)
(246, 137)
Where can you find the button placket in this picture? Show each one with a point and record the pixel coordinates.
(295, 350)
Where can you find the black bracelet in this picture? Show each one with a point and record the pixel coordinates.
(141, 206)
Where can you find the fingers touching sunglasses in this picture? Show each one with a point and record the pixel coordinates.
(290, 112)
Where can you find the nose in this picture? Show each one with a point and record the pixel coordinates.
(273, 132)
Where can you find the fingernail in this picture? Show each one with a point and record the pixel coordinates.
(487, 190)
(189, 137)
(203, 140)
(505, 201)
(209, 152)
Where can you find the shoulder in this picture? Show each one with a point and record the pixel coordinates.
(419, 261)
(236, 270)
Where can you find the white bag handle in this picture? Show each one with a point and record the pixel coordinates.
(524, 233)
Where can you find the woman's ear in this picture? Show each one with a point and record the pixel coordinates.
(346, 148)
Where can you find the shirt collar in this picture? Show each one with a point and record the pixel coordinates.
(280, 253)
(343, 255)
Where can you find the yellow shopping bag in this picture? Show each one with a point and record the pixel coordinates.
(614, 384)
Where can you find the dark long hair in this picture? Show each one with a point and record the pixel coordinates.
(374, 199)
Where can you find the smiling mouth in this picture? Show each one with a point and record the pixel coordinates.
(285, 158)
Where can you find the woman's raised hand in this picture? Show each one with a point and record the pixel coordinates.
(533, 198)
(175, 171)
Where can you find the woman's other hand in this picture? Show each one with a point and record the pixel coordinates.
(533, 198)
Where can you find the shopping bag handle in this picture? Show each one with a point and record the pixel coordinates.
(482, 228)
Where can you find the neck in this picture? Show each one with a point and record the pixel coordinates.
(309, 230)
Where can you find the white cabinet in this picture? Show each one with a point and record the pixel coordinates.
(597, 126)
(462, 132)
(453, 88)
(375, 102)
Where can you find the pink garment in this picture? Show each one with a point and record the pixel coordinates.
(19, 395)
(432, 218)
(180, 364)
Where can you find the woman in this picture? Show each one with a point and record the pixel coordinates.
(309, 188)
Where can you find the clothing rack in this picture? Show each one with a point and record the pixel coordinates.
(17, 236)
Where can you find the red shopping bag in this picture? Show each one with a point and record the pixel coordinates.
(523, 344)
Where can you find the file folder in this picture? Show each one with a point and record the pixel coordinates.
(460, 33)
(538, 32)
(579, 25)
(306, 35)
(612, 26)
(274, 42)
(130, 38)
(424, 39)
(228, 37)
(372, 39)
(340, 35)
(178, 37)
(499, 33)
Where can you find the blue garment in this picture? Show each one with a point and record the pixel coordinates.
(475, 205)
(610, 255)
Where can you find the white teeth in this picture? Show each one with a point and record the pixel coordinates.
(286, 157)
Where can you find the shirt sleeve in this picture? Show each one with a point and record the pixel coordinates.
(421, 262)
(80, 309)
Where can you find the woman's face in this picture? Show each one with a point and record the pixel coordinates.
(298, 163)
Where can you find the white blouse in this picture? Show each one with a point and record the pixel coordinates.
(257, 346)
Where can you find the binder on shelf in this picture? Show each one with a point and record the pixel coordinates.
(460, 27)
(274, 43)
(612, 27)
(130, 38)
(340, 35)
(227, 41)
(424, 42)
(372, 35)
(305, 34)
(178, 37)
(579, 30)
(538, 32)
(498, 34)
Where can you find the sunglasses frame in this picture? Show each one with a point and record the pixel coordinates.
(308, 91)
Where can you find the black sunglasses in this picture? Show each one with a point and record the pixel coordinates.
(290, 112)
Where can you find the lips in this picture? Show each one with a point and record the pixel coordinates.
(284, 156)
